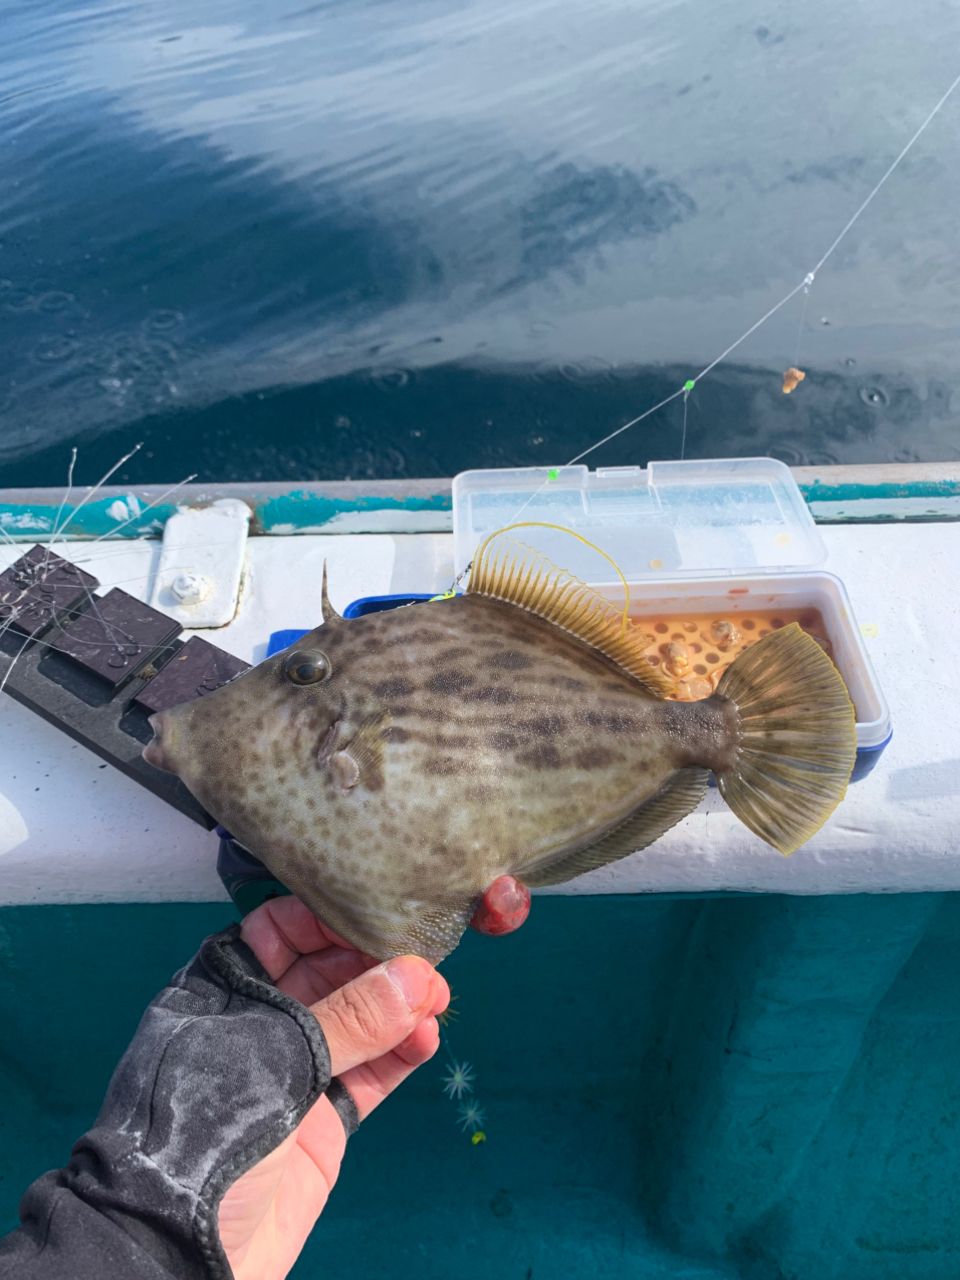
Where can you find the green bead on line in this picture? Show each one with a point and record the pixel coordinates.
(553, 474)
(689, 385)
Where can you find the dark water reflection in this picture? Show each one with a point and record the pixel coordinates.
(398, 239)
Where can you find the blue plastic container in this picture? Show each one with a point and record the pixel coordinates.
(380, 604)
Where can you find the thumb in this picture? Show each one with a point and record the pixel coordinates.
(374, 1013)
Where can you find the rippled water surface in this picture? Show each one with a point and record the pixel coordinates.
(360, 238)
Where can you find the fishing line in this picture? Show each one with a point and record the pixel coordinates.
(143, 510)
(803, 320)
(923, 127)
(60, 524)
(59, 529)
(683, 438)
(59, 532)
(63, 502)
(9, 601)
(458, 1085)
(546, 524)
(805, 284)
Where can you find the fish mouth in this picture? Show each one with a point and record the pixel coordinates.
(154, 752)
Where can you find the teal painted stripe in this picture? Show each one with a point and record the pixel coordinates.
(303, 509)
(97, 519)
(298, 509)
(819, 492)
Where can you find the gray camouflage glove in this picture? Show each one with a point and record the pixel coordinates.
(222, 1068)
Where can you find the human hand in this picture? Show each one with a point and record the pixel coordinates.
(379, 1021)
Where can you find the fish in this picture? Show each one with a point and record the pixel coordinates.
(389, 768)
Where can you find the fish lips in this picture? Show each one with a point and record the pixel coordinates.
(155, 751)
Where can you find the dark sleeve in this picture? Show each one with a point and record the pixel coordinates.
(222, 1068)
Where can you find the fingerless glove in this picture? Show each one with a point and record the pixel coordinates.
(222, 1068)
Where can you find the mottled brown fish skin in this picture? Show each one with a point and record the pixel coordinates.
(501, 743)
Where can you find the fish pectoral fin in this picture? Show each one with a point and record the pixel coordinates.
(367, 747)
(535, 584)
(675, 799)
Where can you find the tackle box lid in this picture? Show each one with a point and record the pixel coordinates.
(702, 518)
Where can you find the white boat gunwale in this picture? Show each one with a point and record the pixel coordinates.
(72, 831)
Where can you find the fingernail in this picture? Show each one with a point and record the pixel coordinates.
(413, 978)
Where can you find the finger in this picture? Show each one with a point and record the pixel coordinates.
(378, 1010)
(282, 929)
(371, 1082)
(311, 978)
(279, 931)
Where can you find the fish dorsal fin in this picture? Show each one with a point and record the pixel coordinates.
(559, 597)
(675, 799)
(327, 612)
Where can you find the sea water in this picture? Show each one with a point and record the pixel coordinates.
(346, 240)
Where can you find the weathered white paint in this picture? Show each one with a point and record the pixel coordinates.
(867, 509)
(373, 522)
(205, 546)
(71, 831)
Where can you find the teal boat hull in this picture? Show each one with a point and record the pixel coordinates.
(753, 1087)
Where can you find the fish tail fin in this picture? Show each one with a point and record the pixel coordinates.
(797, 738)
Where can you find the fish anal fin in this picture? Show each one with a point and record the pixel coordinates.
(563, 599)
(675, 799)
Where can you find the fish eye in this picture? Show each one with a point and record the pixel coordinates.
(307, 666)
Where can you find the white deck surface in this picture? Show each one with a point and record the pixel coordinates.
(72, 830)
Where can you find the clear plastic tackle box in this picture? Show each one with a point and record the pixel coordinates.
(725, 538)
